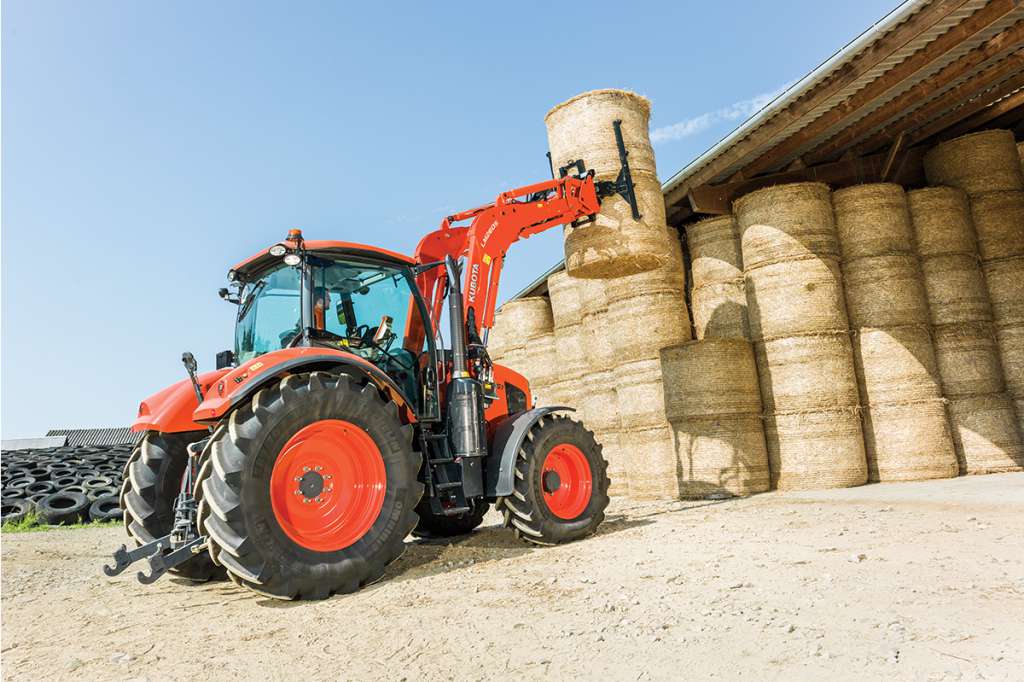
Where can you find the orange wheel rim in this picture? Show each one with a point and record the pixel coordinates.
(566, 481)
(328, 485)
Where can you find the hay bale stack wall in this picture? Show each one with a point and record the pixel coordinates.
(987, 165)
(906, 433)
(980, 413)
(799, 325)
(718, 298)
(616, 244)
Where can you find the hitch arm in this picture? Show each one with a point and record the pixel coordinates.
(123, 558)
(160, 563)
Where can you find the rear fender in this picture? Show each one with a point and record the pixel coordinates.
(170, 410)
(239, 384)
(509, 435)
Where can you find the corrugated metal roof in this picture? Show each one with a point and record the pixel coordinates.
(112, 436)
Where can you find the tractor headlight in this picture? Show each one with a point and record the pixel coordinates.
(292, 259)
(277, 250)
(232, 275)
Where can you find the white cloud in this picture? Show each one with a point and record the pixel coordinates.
(737, 111)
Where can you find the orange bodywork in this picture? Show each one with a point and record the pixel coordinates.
(170, 410)
(499, 408)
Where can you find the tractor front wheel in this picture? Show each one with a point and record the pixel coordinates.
(311, 488)
(560, 483)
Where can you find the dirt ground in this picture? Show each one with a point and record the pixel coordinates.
(914, 581)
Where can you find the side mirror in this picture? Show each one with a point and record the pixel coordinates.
(225, 358)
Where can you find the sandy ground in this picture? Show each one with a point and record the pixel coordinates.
(914, 581)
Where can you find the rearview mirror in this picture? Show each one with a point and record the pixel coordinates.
(225, 358)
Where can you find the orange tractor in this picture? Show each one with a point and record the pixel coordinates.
(339, 424)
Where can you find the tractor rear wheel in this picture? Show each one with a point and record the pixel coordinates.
(152, 481)
(432, 525)
(311, 488)
(560, 483)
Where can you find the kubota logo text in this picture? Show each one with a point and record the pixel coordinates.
(474, 275)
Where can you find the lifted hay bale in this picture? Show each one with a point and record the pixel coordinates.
(802, 373)
(999, 223)
(985, 433)
(818, 449)
(794, 297)
(885, 291)
(968, 360)
(976, 163)
(784, 222)
(616, 244)
(720, 456)
(872, 220)
(670, 277)
(941, 218)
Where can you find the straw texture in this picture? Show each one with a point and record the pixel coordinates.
(802, 373)
(795, 297)
(566, 304)
(822, 449)
(615, 455)
(885, 291)
(669, 277)
(908, 442)
(985, 430)
(641, 394)
(956, 291)
(526, 319)
(540, 362)
(942, 224)
(979, 162)
(784, 222)
(616, 244)
(597, 340)
(598, 401)
(718, 298)
(1005, 280)
(570, 352)
(1011, 346)
(896, 365)
(720, 311)
(652, 464)
(999, 223)
(968, 360)
(721, 456)
(641, 327)
(710, 378)
(872, 220)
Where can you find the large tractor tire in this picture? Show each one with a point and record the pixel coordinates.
(152, 481)
(431, 525)
(560, 484)
(311, 489)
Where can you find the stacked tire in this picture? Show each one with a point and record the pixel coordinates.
(63, 485)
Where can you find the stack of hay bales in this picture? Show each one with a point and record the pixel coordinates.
(523, 340)
(567, 315)
(616, 244)
(987, 166)
(718, 298)
(906, 433)
(715, 411)
(802, 341)
(981, 414)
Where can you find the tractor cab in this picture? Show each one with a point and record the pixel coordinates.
(346, 297)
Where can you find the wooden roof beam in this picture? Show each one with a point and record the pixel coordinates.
(984, 17)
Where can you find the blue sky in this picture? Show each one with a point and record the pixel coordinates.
(148, 146)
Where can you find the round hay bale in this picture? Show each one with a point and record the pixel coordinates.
(720, 310)
(581, 128)
(985, 433)
(641, 393)
(598, 401)
(795, 297)
(979, 162)
(615, 455)
(908, 442)
(800, 373)
(596, 337)
(517, 360)
(1011, 353)
(566, 306)
(710, 378)
(1005, 280)
(872, 220)
(641, 327)
(785, 222)
(570, 351)
(885, 291)
(527, 318)
(714, 250)
(1018, 406)
(896, 365)
(809, 450)
(540, 362)
(941, 217)
(968, 360)
(616, 244)
(667, 278)
(956, 290)
(721, 456)
(565, 392)
(999, 224)
(652, 467)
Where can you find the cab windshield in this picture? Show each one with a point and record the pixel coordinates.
(364, 308)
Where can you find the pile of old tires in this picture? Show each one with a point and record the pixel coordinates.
(62, 485)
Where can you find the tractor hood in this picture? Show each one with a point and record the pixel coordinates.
(170, 410)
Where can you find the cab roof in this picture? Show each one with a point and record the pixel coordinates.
(325, 247)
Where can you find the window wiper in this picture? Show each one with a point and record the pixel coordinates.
(243, 309)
